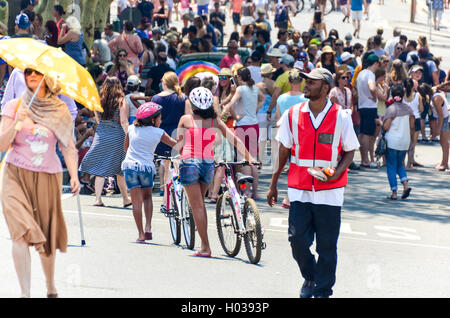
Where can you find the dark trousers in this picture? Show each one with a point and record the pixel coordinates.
(323, 221)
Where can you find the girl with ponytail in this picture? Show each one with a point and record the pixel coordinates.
(413, 100)
(398, 124)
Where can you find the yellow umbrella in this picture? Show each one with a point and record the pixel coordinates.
(74, 79)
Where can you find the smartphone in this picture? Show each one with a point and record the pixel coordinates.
(232, 81)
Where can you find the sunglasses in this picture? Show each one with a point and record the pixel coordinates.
(28, 72)
(122, 55)
(345, 77)
(223, 77)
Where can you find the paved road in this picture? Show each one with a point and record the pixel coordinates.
(386, 249)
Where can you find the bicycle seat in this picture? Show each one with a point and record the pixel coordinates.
(241, 178)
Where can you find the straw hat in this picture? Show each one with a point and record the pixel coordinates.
(225, 72)
(328, 49)
(267, 69)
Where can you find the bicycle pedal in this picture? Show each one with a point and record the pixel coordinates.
(225, 216)
(263, 245)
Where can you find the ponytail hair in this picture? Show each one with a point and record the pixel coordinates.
(408, 84)
(170, 79)
(397, 92)
(246, 76)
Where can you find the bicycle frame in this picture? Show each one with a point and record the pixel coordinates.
(236, 198)
(175, 182)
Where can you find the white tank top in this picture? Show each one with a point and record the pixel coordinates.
(414, 104)
(444, 106)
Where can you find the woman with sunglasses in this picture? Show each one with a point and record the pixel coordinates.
(340, 93)
(32, 175)
(122, 68)
(223, 151)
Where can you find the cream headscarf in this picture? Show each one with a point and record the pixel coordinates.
(50, 111)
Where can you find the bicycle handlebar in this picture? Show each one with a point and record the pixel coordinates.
(236, 163)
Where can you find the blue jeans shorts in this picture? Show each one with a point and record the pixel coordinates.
(196, 170)
(138, 179)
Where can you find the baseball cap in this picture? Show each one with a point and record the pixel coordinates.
(372, 58)
(287, 59)
(415, 68)
(319, 74)
(261, 11)
(23, 21)
(348, 37)
(345, 56)
(133, 80)
(157, 30)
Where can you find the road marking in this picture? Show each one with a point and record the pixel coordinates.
(284, 231)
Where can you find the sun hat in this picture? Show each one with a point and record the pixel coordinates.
(201, 98)
(148, 110)
(328, 49)
(267, 69)
(225, 72)
(275, 53)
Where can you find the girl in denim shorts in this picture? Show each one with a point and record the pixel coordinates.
(138, 167)
(197, 158)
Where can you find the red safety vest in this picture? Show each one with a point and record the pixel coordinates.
(312, 147)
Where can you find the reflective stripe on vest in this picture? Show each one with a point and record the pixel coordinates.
(334, 147)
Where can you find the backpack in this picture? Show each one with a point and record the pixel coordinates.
(427, 76)
(280, 13)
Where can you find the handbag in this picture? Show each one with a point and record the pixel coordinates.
(381, 149)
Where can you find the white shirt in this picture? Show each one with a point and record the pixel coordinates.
(364, 95)
(390, 45)
(247, 105)
(143, 142)
(255, 72)
(334, 197)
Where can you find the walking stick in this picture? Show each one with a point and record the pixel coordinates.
(83, 242)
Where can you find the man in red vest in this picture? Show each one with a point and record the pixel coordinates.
(318, 134)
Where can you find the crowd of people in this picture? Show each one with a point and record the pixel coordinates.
(389, 86)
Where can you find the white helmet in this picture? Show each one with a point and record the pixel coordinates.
(201, 98)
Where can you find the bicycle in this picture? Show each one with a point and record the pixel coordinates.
(313, 5)
(177, 207)
(243, 221)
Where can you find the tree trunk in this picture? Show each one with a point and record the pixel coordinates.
(45, 8)
(4, 12)
(14, 10)
(101, 14)
(88, 20)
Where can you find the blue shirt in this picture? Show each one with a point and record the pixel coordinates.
(285, 101)
(357, 5)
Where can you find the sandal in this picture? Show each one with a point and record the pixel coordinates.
(99, 204)
(148, 236)
(391, 197)
(406, 193)
(200, 254)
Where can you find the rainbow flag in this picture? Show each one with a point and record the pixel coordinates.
(192, 68)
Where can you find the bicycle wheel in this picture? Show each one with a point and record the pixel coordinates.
(329, 7)
(226, 225)
(174, 220)
(253, 236)
(187, 220)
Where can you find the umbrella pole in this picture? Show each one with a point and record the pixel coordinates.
(83, 242)
(19, 124)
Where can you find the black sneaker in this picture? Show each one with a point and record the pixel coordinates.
(307, 289)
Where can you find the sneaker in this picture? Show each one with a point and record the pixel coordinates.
(307, 289)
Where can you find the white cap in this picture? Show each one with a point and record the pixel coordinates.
(346, 56)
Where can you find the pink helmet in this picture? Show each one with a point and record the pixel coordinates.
(148, 110)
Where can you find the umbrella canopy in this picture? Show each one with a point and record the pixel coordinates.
(74, 80)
